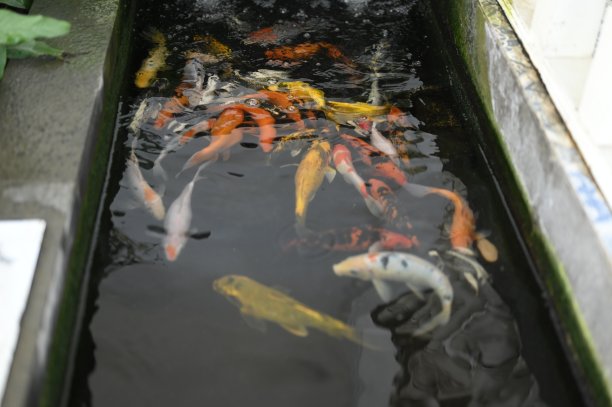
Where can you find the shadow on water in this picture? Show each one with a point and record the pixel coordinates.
(156, 333)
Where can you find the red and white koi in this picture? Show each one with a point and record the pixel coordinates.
(417, 273)
(344, 164)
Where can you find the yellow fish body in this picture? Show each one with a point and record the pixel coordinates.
(264, 303)
(302, 91)
(343, 112)
(155, 61)
(308, 178)
(214, 47)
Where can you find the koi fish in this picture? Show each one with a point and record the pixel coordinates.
(344, 164)
(282, 101)
(418, 274)
(265, 124)
(170, 108)
(365, 150)
(263, 77)
(307, 50)
(383, 144)
(344, 113)
(302, 91)
(304, 135)
(142, 190)
(219, 145)
(155, 61)
(259, 303)
(178, 219)
(280, 32)
(213, 46)
(147, 109)
(401, 119)
(383, 194)
(308, 178)
(391, 171)
(355, 239)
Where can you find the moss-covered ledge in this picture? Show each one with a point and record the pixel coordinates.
(562, 215)
(56, 123)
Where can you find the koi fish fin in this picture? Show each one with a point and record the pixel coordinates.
(487, 250)
(373, 206)
(480, 272)
(416, 290)
(469, 277)
(156, 230)
(383, 289)
(255, 323)
(330, 174)
(376, 247)
(200, 235)
(416, 190)
(297, 330)
(440, 319)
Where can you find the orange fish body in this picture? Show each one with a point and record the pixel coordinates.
(263, 36)
(227, 121)
(462, 231)
(305, 51)
(391, 171)
(265, 123)
(354, 239)
(169, 109)
(365, 150)
(282, 101)
(217, 146)
(199, 127)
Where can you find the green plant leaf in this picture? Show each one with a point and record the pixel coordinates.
(2, 60)
(32, 49)
(16, 28)
(17, 3)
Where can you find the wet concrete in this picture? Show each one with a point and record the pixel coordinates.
(566, 221)
(55, 141)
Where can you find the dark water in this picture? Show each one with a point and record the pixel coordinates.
(157, 334)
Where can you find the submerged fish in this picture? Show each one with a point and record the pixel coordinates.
(155, 61)
(261, 303)
(297, 139)
(178, 219)
(418, 274)
(383, 144)
(387, 199)
(344, 112)
(263, 77)
(308, 178)
(142, 190)
(344, 164)
(213, 46)
(307, 50)
(302, 91)
(355, 239)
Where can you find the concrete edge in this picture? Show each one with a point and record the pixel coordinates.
(99, 38)
(572, 225)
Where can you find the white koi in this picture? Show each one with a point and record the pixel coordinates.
(141, 189)
(383, 144)
(418, 274)
(178, 219)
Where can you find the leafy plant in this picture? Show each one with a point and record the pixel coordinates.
(19, 34)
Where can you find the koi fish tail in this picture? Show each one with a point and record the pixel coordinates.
(440, 319)
(155, 36)
(202, 156)
(300, 228)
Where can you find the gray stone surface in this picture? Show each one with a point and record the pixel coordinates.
(49, 119)
(564, 202)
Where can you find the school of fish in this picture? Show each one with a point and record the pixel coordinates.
(219, 107)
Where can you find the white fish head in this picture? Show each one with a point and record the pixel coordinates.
(354, 266)
(173, 244)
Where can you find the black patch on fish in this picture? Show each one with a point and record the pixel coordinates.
(156, 229)
(201, 235)
(235, 174)
(118, 213)
(249, 145)
(385, 261)
(404, 263)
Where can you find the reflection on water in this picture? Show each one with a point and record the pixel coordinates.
(275, 140)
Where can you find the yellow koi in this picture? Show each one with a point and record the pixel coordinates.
(308, 178)
(305, 135)
(260, 302)
(213, 46)
(343, 112)
(302, 91)
(155, 61)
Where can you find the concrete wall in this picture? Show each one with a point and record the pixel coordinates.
(56, 126)
(566, 222)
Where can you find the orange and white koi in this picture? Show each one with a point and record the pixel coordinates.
(178, 219)
(155, 61)
(366, 151)
(219, 145)
(417, 273)
(141, 189)
(344, 164)
(265, 124)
